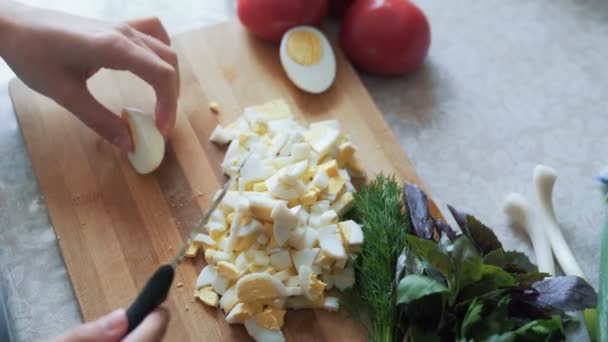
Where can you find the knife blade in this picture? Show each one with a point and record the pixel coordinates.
(157, 288)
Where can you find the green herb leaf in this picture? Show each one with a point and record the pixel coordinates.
(498, 322)
(471, 318)
(430, 252)
(506, 337)
(466, 262)
(511, 261)
(527, 279)
(415, 334)
(493, 278)
(486, 319)
(378, 208)
(538, 330)
(482, 237)
(409, 263)
(414, 286)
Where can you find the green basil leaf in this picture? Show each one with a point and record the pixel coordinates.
(416, 334)
(497, 321)
(506, 337)
(493, 278)
(527, 279)
(467, 262)
(538, 330)
(414, 286)
(487, 319)
(430, 252)
(511, 261)
(471, 318)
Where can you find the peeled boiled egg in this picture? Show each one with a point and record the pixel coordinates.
(308, 59)
(148, 142)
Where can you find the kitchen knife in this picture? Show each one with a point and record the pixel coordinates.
(157, 288)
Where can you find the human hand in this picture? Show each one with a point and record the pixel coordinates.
(113, 327)
(56, 53)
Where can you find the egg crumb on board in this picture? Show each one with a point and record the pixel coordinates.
(277, 240)
(215, 107)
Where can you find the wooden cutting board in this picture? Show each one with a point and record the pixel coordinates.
(116, 227)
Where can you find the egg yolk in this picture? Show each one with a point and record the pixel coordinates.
(131, 126)
(304, 47)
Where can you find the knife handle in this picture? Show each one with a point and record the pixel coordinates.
(151, 296)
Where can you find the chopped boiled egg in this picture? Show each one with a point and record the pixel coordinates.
(308, 59)
(304, 257)
(330, 243)
(344, 279)
(255, 169)
(343, 204)
(351, 232)
(261, 334)
(239, 313)
(331, 304)
(220, 135)
(207, 296)
(228, 270)
(207, 276)
(277, 240)
(285, 221)
(203, 240)
(191, 251)
(312, 287)
(281, 260)
(229, 299)
(220, 284)
(271, 318)
(259, 286)
(323, 139)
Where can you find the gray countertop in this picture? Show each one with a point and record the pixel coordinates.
(507, 85)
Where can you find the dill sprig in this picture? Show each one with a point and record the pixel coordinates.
(379, 209)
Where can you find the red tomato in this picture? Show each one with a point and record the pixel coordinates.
(270, 19)
(337, 8)
(386, 37)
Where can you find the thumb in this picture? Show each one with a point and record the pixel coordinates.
(111, 327)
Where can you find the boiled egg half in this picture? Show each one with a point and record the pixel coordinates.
(148, 142)
(308, 59)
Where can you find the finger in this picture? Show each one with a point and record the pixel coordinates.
(167, 54)
(161, 49)
(111, 327)
(126, 55)
(108, 125)
(152, 27)
(153, 327)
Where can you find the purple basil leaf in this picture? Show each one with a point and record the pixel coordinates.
(444, 228)
(569, 293)
(459, 217)
(481, 235)
(523, 305)
(418, 208)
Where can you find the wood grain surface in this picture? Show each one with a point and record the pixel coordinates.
(116, 227)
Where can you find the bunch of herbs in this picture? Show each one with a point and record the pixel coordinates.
(417, 280)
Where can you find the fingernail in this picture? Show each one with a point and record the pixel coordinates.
(113, 322)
